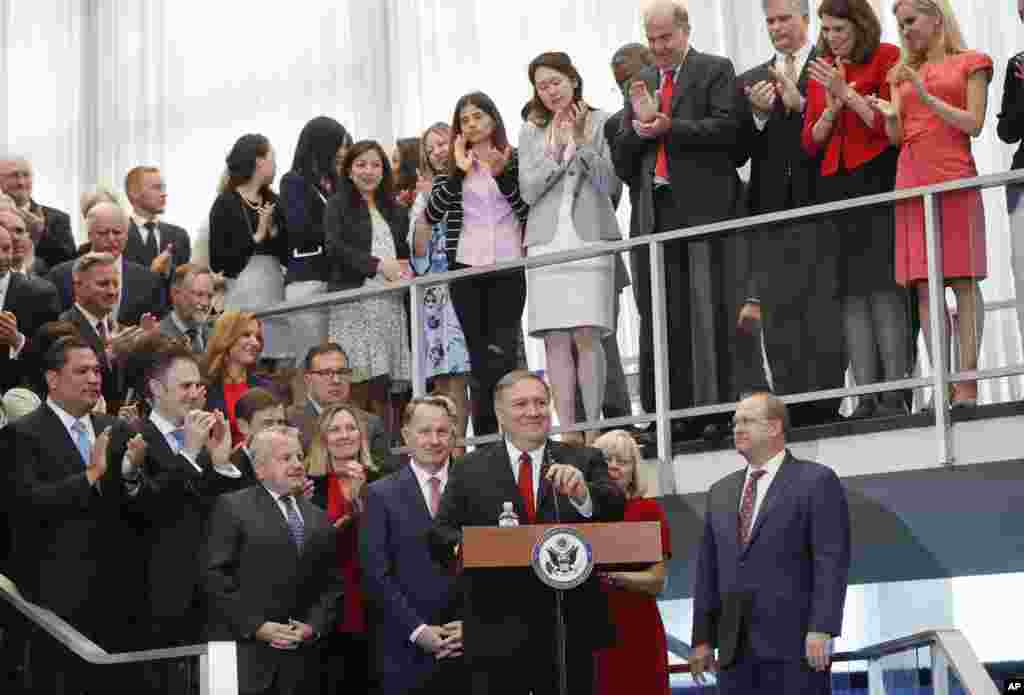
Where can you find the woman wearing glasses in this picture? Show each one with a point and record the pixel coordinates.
(568, 179)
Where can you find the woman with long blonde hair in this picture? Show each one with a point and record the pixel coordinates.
(638, 664)
(939, 97)
(339, 465)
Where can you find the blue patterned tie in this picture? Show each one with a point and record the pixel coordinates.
(178, 436)
(296, 527)
(82, 442)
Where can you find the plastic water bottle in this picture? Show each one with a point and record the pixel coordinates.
(508, 516)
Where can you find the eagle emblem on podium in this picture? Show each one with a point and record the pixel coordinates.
(562, 558)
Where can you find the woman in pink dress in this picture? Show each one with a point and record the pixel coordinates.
(939, 96)
(638, 663)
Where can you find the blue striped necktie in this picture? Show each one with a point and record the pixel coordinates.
(82, 442)
(296, 527)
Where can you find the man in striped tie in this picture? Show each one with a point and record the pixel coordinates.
(773, 565)
(271, 572)
(418, 640)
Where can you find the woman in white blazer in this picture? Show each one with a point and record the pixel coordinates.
(567, 177)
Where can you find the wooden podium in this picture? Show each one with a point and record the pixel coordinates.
(621, 545)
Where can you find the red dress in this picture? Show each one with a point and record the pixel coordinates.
(353, 613)
(233, 392)
(934, 151)
(638, 664)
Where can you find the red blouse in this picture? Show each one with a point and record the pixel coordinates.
(353, 610)
(233, 392)
(852, 142)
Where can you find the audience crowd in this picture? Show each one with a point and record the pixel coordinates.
(133, 406)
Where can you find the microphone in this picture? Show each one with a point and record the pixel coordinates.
(546, 464)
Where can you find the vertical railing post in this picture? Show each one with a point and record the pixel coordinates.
(659, 326)
(876, 677)
(937, 324)
(218, 669)
(419, 379)
(940, 670)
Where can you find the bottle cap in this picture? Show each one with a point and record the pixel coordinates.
(506, 506)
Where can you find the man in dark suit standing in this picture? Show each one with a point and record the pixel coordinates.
(153, 243)
(328, 381)
(25, 305)
(773, 565)
(69, 534)
(55, 245)
(509, 621)
(256, 410)
(140, 290)
(676, 157)
(792, 287)
(271, 571)
(414, 602)
(191, 297)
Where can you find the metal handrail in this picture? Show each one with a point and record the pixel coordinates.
(939, 380)
(218, 661)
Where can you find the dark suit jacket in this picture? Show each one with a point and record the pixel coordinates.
(509, 612)
(254, 573)
(789, 580)
(136, 251)
(68, 536)
(304, 207)
(56, 245)
(1010, 126)
(405, 586)
(349, 234)
(114, 387)
(141, 291)
(169, 328)
(34, 302)
(699, 145)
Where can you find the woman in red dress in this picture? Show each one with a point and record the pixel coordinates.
(638, 664)
(939, 97)
(339, 465)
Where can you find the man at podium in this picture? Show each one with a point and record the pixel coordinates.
(510, 620)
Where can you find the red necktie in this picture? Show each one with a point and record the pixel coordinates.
(526, 486)
(435, 495)
(747, 506)
(667, 89)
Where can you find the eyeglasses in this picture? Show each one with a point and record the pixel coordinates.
(333, 374)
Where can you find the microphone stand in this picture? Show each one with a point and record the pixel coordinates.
(560, 632)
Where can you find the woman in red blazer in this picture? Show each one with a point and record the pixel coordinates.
(857, 160)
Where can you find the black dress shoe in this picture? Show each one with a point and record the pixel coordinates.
(865, 409)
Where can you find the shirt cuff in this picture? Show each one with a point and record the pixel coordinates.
(760, 121)
(15, 351)
(416, 633)
(586, 508)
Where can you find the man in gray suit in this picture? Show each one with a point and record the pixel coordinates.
(329, 382)
(191, 297)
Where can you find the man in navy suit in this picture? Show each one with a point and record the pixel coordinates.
(510, 615)
(414, 601)
(773, 565)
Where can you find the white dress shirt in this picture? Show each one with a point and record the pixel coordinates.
(128, 471)
(586, 508)
(780, 62)
(165, 427)
(770, 468)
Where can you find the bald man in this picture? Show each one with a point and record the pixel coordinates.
(56, 244)
(141, 289)
(25, 305)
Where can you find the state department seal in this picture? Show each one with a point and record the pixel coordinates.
(562, 558)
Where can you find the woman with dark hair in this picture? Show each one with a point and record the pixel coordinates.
(478, 200)
(304, 193)
(248, 239)
(365, 230)
(443, 344)
(939, 100)
(841, 125)
(567, 177)
(405, 160)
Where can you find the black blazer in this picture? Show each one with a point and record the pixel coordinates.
(253, 573)
(790, 579)
(142, 291)
(349, 233)
(1010, 126)
(232, 225)
(700, 145)
(56, 245)
(509, 612)
(34, 302)
(304, 208)
(114, 386)
(136, 251)
(215, 392)
(68, 536)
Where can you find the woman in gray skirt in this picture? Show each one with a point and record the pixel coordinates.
(567, 177)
